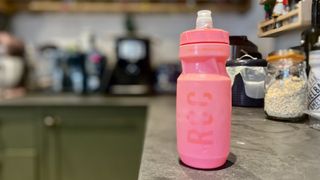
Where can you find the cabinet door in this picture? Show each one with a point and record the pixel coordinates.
(18, 134)
(96, 143)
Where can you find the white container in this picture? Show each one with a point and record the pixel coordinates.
(11, 71)
(314, 89)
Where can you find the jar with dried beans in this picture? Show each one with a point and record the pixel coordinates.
(286, 86)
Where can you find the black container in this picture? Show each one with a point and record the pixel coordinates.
(239, 96)
(240, 45)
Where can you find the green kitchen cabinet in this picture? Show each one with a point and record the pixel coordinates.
(71, 143)
(18, 146)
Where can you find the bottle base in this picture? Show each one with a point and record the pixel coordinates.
(203, 163)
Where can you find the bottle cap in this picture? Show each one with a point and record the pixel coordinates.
(204, 32)
(204, 20)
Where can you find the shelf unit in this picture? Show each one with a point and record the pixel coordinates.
(295, 19)
(134, 7)
(6, 7)
(119, 6)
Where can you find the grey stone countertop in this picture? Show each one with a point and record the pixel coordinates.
(260, 148)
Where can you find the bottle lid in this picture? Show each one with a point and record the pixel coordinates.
(204, 20)
(294, 55)
(204, 32)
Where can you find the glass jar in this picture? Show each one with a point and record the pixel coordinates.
(286, 86)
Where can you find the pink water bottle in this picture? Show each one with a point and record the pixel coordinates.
(204, 96)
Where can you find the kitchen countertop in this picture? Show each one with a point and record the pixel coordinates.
(260, 148)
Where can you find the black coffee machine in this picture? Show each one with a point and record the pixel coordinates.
(132, 73)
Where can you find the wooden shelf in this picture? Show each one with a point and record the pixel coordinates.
(118, 6)
(6, 7)
(295, 19)
(143, 7)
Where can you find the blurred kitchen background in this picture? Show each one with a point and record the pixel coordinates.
(59, 58)
(111, 47)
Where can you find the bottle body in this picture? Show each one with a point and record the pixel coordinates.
(314, 82)
(95, 66)
(314, 89)
(203, 105)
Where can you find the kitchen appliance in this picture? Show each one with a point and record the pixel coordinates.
(46, 75)
(13, 64)
(96, 70)
(247, 72)
(240, 45)
(12, 70)
(248, 76)
(67, 71)
(132, 73)
(204, 96)
(166, 78)
(77, 74)
(95, 63)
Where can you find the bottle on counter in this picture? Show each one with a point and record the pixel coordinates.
(96, 68)
(77, 73)
(95, 64)
(204, 96)
(286, 86)
(314, 85)
(310, 36)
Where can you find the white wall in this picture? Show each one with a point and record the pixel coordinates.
(164, 29)
(290, 39)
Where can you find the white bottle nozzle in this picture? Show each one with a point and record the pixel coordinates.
(204, 20)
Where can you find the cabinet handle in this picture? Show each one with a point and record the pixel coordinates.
(50, 121)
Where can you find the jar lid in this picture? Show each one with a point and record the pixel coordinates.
(291, 54)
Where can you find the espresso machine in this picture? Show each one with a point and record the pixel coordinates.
(132, 72)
